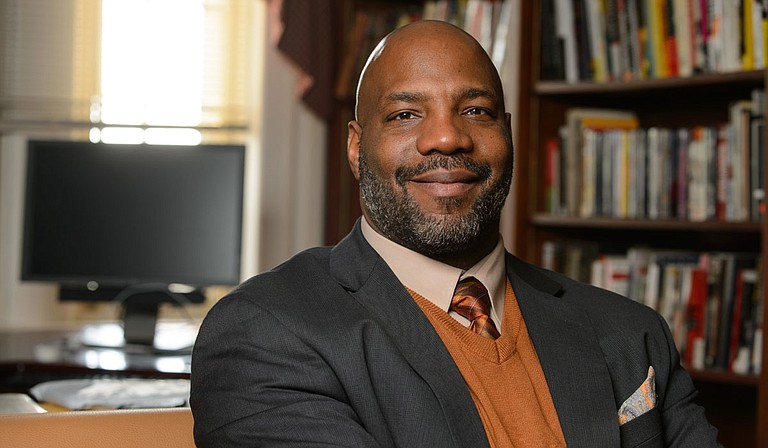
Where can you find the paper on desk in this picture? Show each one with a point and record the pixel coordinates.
(126, 393)
(18, 403)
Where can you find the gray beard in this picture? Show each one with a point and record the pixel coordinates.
(399, 218)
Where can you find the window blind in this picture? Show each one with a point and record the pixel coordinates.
(51, 72)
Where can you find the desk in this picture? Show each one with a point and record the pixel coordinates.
(32, 356)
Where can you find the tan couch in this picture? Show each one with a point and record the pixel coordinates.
(134, 428)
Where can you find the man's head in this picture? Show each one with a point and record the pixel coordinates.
(431, 143)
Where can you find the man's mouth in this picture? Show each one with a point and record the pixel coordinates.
(445, 183)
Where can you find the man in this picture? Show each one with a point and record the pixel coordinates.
(363, 344)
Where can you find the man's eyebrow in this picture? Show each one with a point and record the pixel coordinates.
(472, 93)
(405, 97)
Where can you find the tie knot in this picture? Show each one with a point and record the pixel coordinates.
(471, 300)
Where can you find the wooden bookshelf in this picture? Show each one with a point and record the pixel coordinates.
(735, 403)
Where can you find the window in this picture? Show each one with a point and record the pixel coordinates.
(155, 71)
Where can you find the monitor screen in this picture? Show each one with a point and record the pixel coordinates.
(122, 215)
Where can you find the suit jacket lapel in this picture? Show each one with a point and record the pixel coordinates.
(367, 277)
(570, 356)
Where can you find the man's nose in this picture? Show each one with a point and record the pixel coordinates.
(445, 134)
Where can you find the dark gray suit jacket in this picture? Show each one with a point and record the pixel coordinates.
(329, 349)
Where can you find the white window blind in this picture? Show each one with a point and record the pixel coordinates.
(138, 70)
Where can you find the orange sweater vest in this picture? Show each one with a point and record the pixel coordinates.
(504, 377)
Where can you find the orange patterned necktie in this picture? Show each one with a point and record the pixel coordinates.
(471, 300)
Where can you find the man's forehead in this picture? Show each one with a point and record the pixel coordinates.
(423, 60)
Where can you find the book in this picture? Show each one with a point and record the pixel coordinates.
(583, 45)
(612, 40)
(566, 32)
(660, 169)
(670, 36)
(747, 36)
(552, 63)
(578, 119)
(658, 260)
(577, 259)
(552, 176)
(625, 53)
(684, 36)
(591, 180)
(620, 173)
(733, 264)
(742, 330)
(757, 157)
(681, 179)
(501, 34)
(700, 156)
(657, 50)
(637, 36)
(611, 272)
(638, 175)
(713, 328)
(738, 197)
(694, 355)
(638, 258)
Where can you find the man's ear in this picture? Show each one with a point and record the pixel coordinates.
(354, 132)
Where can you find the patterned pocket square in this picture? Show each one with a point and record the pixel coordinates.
(641, 401)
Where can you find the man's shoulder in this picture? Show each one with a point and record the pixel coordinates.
(600, 303)
(301, 272)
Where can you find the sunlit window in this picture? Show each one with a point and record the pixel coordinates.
(131, 71)
(151, 71)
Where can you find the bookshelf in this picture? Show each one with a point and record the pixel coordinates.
(736, 403)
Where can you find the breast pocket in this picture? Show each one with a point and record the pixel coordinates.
(643, 432)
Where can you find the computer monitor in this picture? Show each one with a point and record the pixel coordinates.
(140, 224)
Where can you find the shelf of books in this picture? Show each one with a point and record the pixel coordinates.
(645, 162)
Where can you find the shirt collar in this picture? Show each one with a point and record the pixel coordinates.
(435, 281)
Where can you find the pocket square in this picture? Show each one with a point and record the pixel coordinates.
(641, 401)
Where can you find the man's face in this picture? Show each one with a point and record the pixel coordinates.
(433, 145)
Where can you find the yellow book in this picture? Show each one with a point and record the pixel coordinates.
(748, 56)
(601, 122)
(656, 35)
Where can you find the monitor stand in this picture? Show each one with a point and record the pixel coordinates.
(139, 321)
(140, 329)
(171, 337)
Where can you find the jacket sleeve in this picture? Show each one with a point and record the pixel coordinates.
(256, 383)
(684, 421)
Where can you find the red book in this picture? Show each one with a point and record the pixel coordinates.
(552, 175)
(738, 298)
(670, 38)
(697, 304)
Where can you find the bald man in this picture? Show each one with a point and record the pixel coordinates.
(418, 329)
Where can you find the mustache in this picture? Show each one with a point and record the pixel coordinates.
(405, 173)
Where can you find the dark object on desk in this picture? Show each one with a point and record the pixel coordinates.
(18, 403)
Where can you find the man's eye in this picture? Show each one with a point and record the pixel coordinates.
(477, 111)
(403, 116)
